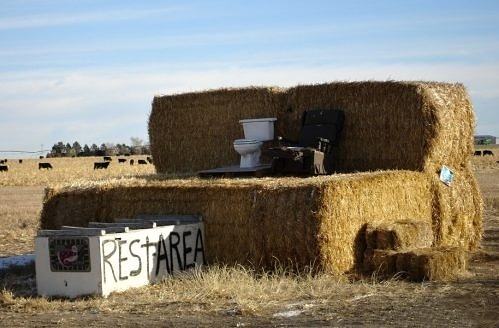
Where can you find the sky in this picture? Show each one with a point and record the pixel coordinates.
(88, 70)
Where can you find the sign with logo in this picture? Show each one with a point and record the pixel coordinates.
(74, 261)
(69, 254)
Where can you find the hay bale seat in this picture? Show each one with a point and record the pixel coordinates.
(396, 137)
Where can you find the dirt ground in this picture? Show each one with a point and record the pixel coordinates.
(472, 301)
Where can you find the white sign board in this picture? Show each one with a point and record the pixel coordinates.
(73, 265)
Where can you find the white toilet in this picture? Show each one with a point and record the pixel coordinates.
(256, 131)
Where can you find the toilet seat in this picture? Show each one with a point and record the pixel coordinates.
(246, 141)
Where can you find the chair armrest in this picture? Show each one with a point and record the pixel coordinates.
(286, 142)
(324, 145)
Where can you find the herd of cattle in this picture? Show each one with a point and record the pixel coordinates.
(97, 165)
(108, 159)
(483, 153)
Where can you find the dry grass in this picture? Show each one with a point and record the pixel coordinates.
(19, 218)
(212, 289)
(67, 170)
(486, 162)
(225, 292)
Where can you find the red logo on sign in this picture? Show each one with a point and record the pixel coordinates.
(68, 256)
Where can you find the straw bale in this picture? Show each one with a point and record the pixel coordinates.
(297, 222)
(434, 264)
(450, 126)
(195, 131)
(399, 235)
(418, 264)
(380, 261)
(383, 122)
(457, 211)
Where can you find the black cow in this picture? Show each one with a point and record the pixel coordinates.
(1, 161)
(127, 155)
(488, 153)
(149, 159)
(4, 168)
(45, 166)
(108, 158)
(142, 161)
(41, 157)
(477, 153)
(121, 160)
(101, 165)
(20, 161)
(5, 160)
(131, 162)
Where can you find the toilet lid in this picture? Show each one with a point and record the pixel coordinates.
(245, 141)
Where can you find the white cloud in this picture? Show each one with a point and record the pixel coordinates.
(98, 106)
(70, 18)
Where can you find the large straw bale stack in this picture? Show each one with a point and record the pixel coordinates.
(316, 221)
(320, 221)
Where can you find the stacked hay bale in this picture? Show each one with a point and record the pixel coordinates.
(292, 222)
(403, 249)
(413, 126)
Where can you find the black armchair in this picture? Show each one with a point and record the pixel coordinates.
(312, 154)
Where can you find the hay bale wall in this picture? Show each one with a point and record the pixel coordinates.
(389, 125)
(288, 221)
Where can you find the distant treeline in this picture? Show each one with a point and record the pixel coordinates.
(62, 149)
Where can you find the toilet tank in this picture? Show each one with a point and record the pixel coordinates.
(261, 129)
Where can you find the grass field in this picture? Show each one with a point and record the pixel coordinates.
(68, 170)
(221, 296)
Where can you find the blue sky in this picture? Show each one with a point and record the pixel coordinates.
(88, 70)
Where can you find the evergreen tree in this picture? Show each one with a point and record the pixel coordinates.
(86, 150)
(93, 150)
(77, 147)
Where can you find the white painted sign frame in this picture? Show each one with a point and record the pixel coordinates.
(120, 261)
